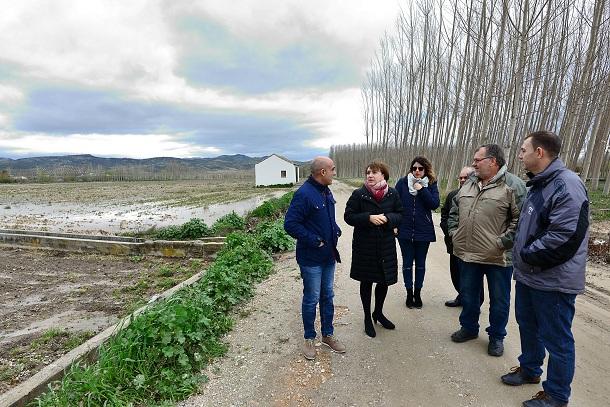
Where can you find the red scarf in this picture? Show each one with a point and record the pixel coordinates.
(378, 190)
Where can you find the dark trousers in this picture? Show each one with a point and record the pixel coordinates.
(454, 269)
(499, 284)
(413, 251)
(545, 322)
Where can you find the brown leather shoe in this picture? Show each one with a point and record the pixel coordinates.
(333, 343)
(309, 349)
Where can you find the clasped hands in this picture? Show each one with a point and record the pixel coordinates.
(378, 220)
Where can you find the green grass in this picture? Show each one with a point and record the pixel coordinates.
(600, 205)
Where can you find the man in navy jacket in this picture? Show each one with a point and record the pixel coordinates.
(311, 220)
(549, 258)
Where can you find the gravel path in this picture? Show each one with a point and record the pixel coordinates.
(414, 365)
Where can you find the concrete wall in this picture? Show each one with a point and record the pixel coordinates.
(118, 247)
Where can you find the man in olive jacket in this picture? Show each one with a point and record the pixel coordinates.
(482, 224)
(550, 255)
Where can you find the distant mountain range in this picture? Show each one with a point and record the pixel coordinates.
(87, 161)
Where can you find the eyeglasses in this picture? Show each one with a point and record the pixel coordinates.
(478, 160)
(415, 168)
(462, 178)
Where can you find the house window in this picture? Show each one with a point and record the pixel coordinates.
(283, 174)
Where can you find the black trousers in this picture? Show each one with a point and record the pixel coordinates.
(454, 269)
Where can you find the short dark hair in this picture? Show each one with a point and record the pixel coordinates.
(495, 151)
(379, 166)
(429, 171)
(547, 140)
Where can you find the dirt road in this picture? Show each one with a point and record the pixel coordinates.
(414, 365)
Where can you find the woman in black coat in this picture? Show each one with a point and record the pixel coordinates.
(374, 210)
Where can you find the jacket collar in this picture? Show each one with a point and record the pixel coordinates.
(322, 188)
(544, 177)
(367, 194)
(499, 175)
(494, 179)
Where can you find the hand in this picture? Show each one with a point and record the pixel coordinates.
(378, 220)
(417, 185)
(395, 231)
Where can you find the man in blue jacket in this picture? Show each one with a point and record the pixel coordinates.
(311, 220)
(549, 258)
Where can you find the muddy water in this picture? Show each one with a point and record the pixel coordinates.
(114, 218)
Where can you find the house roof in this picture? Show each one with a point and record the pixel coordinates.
(280, 157)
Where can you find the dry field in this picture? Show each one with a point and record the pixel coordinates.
(50, 302)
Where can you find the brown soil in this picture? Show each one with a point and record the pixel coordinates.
(51, 302)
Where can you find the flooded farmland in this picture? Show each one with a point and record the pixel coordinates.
(116, 207)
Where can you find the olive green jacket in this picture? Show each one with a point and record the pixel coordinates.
(482, 221)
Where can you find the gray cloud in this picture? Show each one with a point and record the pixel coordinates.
(212, 57)
(62, 112)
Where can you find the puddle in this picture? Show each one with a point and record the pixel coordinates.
(115, 218)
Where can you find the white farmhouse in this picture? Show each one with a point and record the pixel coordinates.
(275, 170)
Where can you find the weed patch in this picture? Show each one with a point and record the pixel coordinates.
(272, 208)
(229, 223)
(273, 237)
(160, 355)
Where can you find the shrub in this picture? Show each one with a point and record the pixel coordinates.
(229, 223)
(273, 238)
(193, 229)
(168, 233)
(274, 207)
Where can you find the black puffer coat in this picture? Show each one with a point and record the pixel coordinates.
(373, 247)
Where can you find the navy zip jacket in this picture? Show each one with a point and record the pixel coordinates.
(550, 251)
(416, 222)
(311, 220)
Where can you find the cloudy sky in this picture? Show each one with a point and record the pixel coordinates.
(148, 78)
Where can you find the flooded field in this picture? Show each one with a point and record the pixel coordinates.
(115, 207)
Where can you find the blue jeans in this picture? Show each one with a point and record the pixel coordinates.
(318, 288)
(545, 321)
(499, 285)
(412, 250)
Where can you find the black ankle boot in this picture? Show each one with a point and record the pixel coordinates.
(409, 301)
(417, 299)
(369, 329)
(386, 323)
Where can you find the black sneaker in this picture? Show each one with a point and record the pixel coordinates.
(495, 347)
(516, 377)
(463, 335)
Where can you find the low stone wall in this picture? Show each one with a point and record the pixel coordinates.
(110, 245)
